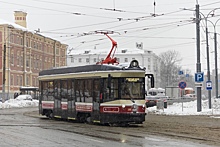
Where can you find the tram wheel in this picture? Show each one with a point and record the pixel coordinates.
(50, 114)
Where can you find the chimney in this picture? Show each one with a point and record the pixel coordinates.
(20, 18)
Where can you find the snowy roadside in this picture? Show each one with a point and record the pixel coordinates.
(189, 108)
(13, 103)
(186, 108)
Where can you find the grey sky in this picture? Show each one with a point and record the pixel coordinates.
(171, 29)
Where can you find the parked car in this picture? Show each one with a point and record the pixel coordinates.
(153, 100)
(189, 96)
(24, 97)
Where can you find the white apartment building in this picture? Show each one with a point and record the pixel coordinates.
(146, 58)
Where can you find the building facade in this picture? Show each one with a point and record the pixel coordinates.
(24, 53)
(145, 58)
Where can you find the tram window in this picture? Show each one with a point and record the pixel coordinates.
(114, 89)
(78, 92)
(50, 90)
(88, 91)
(44, 90)
(69, 89)
(72, 90)
(57, 89)
(96, 91)
(105, 91)
(63, 89)
(132, 88)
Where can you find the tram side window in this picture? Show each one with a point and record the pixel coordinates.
(88, 90)
(44, 90)
(63, 89)
(57, 89)
(96, 91)
(50, 90)
(69, 89)
(114, 89)
(79, 90)
(72, 90)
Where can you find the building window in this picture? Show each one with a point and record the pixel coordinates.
(28, 60)
(57, 51)
(21, 43)
(118, 59)
(126, 59)
(95, 60)
(149, 67)
(133, 58)
(27, 81)
(17, 80)
(12, 79)
(12, 58)
(87, 60)
(80, 60)
(21, 81)
(21, 61)
(27, 42)
(72, 59)
(18, 58)
(148, 59)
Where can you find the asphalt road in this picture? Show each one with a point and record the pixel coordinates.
(25, 128)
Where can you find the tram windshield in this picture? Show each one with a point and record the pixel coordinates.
(132, 88)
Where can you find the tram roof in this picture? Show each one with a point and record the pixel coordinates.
(86, 68)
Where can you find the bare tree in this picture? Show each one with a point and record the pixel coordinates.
(169, 68)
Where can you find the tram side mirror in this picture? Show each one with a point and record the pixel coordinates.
(109, 81)
(151, 77)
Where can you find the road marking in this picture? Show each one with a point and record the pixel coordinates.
(154, 139)
(94, 140)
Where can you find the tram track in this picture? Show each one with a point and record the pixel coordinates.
(202, 129)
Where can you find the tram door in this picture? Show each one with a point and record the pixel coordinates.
(96, 99)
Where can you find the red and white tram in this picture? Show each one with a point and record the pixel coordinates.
(101, 93)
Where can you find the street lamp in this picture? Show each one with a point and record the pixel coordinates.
(3, 80)
(216, 58)
(207, 50)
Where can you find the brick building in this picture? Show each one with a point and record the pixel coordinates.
(25, 53)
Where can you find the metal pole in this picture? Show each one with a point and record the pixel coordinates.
(198, 64)
(208, 67)
(3, 81)
(216, 66)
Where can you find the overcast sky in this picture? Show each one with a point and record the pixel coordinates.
(171, 29)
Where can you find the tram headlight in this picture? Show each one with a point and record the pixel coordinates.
(123, 106)
(143, 107)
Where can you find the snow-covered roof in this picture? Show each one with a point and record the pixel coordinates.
(105, 51)
(4, 22)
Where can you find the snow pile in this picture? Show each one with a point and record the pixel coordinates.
(13, 103)
(189, 108)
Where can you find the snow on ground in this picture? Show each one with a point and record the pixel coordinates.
(14, 103)
(189, 108)
(186, 108)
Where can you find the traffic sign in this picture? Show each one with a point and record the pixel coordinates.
(208, 85)
(199, 77)
(182, 84)
(198, 84)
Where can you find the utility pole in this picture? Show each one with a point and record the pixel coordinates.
(208, 67)
(216, 65)
(3, 81)
(198, 64)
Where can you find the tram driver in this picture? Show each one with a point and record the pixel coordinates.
(126, 91)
